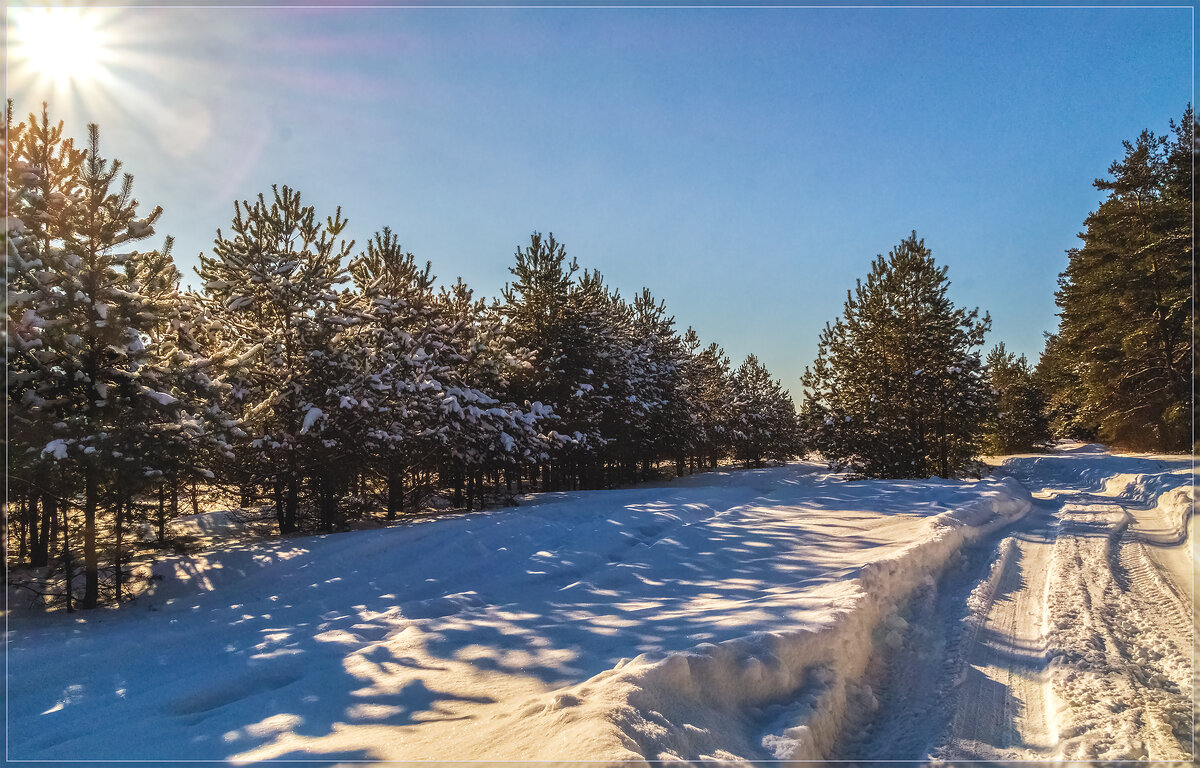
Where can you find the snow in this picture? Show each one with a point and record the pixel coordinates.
(1081, 634)
(724, 615)
(775, 614)
(162, 398)
(205, 524)
(310, 417)
(56, 448)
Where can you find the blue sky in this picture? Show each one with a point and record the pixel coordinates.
(744, 164)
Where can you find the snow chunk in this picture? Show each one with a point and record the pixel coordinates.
(162, 398)
(310, 418)
(57, 448)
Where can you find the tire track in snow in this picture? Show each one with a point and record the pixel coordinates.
(1121, 667)
(1003, 707)
(1081, 645)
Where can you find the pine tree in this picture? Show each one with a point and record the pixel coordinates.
(41, 176)
(403, 328)
(1019, 423)
(172, 429)
(1057, 375)
(435, 360)
(570, 323)
(1127, 297)
(657, 358)
(897, 389)
(504, 435)
(272, 287)
(709, 393)
(763, 421)
(86, 382)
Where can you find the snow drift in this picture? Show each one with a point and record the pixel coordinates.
(725, 615)
(794, 685)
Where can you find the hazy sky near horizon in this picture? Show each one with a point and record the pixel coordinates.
(744, 164)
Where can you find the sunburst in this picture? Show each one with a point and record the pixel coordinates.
(62, 47)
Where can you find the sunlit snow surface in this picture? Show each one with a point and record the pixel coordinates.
(507, 634)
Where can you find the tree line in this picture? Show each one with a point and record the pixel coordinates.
(323, 380)
(899, 389)
(329, 382)
(1120, 367)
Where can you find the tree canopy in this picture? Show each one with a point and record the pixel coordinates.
(1120, 366)
(897, 389)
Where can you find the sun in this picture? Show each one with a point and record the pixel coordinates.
(63, 45)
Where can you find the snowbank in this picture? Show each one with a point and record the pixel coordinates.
(727, 615)
(1176, 509)
(690, 704)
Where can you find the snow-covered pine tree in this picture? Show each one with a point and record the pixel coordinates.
(763, 422)
(897, 389)
(604, 367)
(112, 388)
(572, 327)
(708, 392)
(338, 402)
(1019, 423)
(171, 427)
(403, 330)
(1127, 298)
(661, 358)
(432, 360)
(490, 356)
(185, 448)
(491, 435)
(686, 430)
(271, 286)
(86, 321)
(41, 177)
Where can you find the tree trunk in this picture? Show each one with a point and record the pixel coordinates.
(68, 565)
(39, 553)
(943, 452)
(395, 492)
(162, 514)
(279, 515)
(91, 562)
(195, 501)
(49, 534)
(290, 506)
(119, 524)
(327, 501)
(23, 518)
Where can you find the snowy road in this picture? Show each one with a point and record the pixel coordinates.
(1005, 709)
(764, 614)
(1080, 644)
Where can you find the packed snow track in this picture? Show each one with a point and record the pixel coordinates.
(1080, 642)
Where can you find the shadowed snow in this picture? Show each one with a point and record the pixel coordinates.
(468, 637)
